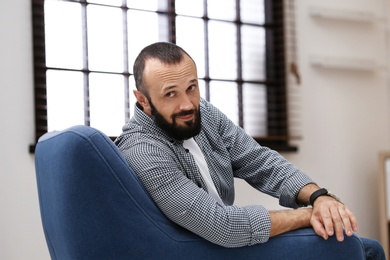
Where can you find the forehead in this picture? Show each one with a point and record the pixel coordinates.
(155, 70)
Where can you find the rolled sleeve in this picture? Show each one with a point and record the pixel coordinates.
(261, 224)
(291, 188)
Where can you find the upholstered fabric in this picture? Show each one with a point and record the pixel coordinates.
(94, 207)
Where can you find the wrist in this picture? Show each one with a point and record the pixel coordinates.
(303, 197)
(321, 192)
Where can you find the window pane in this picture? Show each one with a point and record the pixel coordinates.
(107, 2)
(63, 35)
(152, 23)
(65, 99)
(252, 11)
(193, 8)
(255, 109)
(107, 103)
(151, 5)
(105, 38)
(194, 44)
(223, 50)
(253, 52)
(202, 88)
(222, 9)
(224, 96)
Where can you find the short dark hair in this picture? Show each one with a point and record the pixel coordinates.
(167, 53)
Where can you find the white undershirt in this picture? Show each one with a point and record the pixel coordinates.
(194, 149)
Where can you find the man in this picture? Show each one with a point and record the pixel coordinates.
(186, 153)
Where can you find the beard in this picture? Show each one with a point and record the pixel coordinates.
(190, 129)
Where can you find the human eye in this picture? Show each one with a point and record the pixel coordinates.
(170, 94)
(191, 88)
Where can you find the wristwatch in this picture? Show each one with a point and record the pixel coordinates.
(322, 192)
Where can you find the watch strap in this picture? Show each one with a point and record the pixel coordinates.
(316, 194)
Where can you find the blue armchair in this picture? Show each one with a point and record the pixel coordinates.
(93, 207)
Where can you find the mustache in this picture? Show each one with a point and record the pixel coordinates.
(184, 113)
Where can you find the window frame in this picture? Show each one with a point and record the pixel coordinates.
(277, 104)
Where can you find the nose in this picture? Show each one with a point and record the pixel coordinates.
(185, 103)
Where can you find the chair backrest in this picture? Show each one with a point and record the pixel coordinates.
(94, 207)
(92, 204)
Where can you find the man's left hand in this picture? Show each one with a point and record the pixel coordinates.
(331, 216)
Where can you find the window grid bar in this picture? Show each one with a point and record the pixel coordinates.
(239, 67)
(126, 63)
(87, 120)
(171, 21)
(207, 50)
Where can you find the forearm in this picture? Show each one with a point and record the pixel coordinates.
(278, 177)
(287, 220)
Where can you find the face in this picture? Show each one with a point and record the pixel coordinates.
(173, 97)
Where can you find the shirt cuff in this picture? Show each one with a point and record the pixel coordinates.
(291, 188)
(260, 222)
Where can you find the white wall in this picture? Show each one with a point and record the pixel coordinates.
(345, 122)
(345, 113)
(21, 235)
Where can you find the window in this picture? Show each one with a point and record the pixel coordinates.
(84, 51)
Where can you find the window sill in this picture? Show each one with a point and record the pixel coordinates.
(279, 146)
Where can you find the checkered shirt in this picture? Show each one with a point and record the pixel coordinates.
(172, 178)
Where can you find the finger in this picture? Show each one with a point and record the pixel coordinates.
(338, 223)
(352, 221)
(319, 228)
(327, 220)
(346, 220)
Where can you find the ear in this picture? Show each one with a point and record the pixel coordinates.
(143, 101)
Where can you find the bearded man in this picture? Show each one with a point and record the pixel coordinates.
(187, 153)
